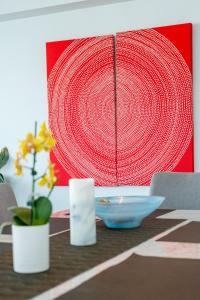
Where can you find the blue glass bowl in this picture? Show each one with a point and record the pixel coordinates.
(126, 211)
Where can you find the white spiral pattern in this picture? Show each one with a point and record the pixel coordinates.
(82, 109)
(124, 138)
(154, 106)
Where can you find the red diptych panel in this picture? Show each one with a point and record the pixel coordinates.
(81, 95)
(154, 103)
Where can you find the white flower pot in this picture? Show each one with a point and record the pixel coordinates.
(30, 248)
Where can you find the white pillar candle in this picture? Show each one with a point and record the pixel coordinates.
(82, 212)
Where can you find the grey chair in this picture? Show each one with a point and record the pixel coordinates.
(7, 199)
(182, 190)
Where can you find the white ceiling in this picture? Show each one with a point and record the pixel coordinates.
(17, 9)
(10, 6)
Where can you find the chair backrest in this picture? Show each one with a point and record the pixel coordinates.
(7, 199)
(182, 190)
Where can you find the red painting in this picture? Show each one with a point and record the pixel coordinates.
(81, 95)
(154, 103)
(122, 110)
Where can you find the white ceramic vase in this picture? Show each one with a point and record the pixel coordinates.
(82, 212)
(30, 248)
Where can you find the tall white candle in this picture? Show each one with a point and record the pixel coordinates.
(82, 212)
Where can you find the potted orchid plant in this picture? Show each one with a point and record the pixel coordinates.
(30, 226)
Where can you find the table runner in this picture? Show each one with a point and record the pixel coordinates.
(189, 233)
(142, 278)
(68, 261)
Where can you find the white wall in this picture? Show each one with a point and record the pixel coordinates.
(23, 93)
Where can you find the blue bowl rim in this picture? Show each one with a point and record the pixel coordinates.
(154, 199)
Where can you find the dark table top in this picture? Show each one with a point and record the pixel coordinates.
(110, 269)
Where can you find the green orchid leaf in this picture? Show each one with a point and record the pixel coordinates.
(1, 178)
(22, 213)
(18, 221)
(42, 209)
(4, 157)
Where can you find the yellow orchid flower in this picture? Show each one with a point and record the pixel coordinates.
(43, 180)
(30, 144)
(18, 166)
(49, 178)
(45, 135)
(43, 132)
(51, 170)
